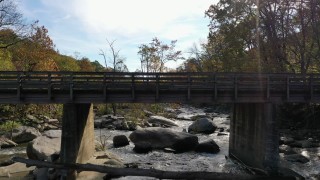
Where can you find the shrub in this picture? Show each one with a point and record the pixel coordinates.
(8, 126)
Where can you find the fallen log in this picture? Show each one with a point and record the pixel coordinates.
(116, 172)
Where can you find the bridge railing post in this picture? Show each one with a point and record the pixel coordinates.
(71, 85)
(288, 87)
(19, 81)
(104, 86)
(189, 86)
(268, 87)
(311, 87)
(215, 87)
(132, 86)
(235, 82)
(49, 86)
(157, 87)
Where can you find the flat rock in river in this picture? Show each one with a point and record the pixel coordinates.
(161, 121)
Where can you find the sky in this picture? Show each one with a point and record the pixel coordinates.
(81, 27)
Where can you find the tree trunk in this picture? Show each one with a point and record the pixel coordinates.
(116, 172)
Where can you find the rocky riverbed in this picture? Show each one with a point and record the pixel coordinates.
(187, 161)
(299, 150)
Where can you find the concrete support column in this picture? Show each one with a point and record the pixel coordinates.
(254, 136)
(77, 142)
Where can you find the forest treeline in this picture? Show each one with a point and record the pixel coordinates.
(260, 36)
(244, 36)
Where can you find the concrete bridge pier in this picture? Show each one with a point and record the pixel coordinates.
(77, 142)
(254, 136)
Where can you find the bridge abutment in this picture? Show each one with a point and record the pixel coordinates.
(77, 142)
(254, 135)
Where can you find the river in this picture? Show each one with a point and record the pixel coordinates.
(188, 161)
(192, 161)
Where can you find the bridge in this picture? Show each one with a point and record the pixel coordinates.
(253, 128)
(108, 87)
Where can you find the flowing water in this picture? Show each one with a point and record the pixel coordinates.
(188, 161)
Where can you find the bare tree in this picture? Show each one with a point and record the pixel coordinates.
(115, 58)
(11, 24)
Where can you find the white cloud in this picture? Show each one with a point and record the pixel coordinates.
(131, 17)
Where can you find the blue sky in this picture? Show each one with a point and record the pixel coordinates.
(83, 25)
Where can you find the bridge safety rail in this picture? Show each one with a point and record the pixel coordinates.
(104, 87)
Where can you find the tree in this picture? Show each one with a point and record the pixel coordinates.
(117, 63)
(10, 20)
(116, 59)
(156, 54)
(85, 65)
(39, 36)
(66, 63)
(35, 52)
(275, 36)
(146, 56)
(97, 66)
(5, 59)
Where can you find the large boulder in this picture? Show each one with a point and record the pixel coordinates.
(24, 134)
(98, 123)
(202, 125)
(296, 158)
(142, 148)
(53, 133)
(160, 138)
(120, 141)
(161, 121)
(45, 147)
(302, 144)
(209, 146)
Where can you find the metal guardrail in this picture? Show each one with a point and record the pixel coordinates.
(104, 87)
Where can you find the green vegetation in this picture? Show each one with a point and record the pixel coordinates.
(135, 112)
(103, 141)
(8, 126)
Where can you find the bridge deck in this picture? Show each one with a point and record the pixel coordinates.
(107, 87)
